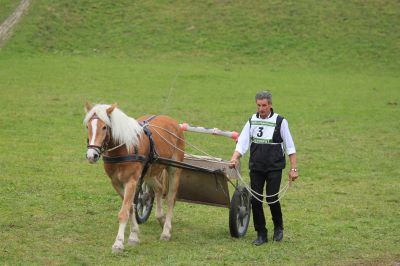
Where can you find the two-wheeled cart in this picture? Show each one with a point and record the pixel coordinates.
(204, 180)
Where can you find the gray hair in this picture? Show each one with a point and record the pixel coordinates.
(264, 95)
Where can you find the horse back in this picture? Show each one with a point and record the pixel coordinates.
(167, 135)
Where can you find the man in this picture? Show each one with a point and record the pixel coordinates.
(266, 133)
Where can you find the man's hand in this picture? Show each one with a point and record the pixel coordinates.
(233, 163)
(293, 174)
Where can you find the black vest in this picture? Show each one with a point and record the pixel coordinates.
(268, 156)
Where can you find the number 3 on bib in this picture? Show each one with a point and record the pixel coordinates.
(260, 132)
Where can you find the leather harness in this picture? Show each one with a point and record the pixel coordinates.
(136, 157)
(152, 156)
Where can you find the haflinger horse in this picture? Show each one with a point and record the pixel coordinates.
(130, 146)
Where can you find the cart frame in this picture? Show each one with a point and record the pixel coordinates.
(204, 180)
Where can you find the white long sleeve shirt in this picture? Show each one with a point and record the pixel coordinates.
(243, 143)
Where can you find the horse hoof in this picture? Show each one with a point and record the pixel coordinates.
(133, 242)
(165, 237)
(117, 248)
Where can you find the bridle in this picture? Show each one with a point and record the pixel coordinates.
(100, 149)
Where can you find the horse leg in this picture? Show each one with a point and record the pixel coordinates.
(133, 239)
(123, 216)
(173, 183)
(160, 216)
(159, 192)
(118, 186)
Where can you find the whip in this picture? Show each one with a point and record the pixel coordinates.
(213, 131)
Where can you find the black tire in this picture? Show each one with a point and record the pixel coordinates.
(239, 213)
(144, 199)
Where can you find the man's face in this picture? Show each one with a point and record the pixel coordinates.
(263, 107)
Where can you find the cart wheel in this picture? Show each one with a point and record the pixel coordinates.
(239, 213)
(144, 199)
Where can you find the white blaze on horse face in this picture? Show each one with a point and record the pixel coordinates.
(94, 129)
(91, 154)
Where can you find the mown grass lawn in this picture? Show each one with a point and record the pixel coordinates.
(57, 209)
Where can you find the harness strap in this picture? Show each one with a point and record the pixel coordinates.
(136, 157)
(99, 149)
(123, 159)
(153, 153)
(148, 120)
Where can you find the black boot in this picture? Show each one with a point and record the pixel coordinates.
(278, 234)
(261, 239)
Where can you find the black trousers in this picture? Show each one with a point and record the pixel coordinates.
(272, 179)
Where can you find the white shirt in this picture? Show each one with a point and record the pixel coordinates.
(243, 143)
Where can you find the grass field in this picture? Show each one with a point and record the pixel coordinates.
(342, 104)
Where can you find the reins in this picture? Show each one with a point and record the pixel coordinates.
(251, 191)
(153, 157)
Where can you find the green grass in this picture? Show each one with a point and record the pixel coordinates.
(356, 34)
(58, 209)
(333, 70)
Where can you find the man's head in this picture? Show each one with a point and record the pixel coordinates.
(264, 103)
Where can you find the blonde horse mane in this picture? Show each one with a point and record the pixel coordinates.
(124, 129)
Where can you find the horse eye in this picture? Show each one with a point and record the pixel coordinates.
(104, 128)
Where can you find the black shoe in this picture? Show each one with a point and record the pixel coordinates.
(261, 239)
(278, 234)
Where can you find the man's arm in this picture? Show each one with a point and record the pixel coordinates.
(293, 173)
(241, 146)
(290, 149)
(235, 159)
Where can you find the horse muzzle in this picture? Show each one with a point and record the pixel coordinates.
(92, 155)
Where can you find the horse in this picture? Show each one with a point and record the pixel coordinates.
(130, 147)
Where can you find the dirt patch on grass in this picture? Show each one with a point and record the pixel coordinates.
(7, 26)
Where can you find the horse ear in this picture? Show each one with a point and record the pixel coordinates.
(111, 109)
(88, 107)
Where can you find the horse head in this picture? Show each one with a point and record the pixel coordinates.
(99, 132)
